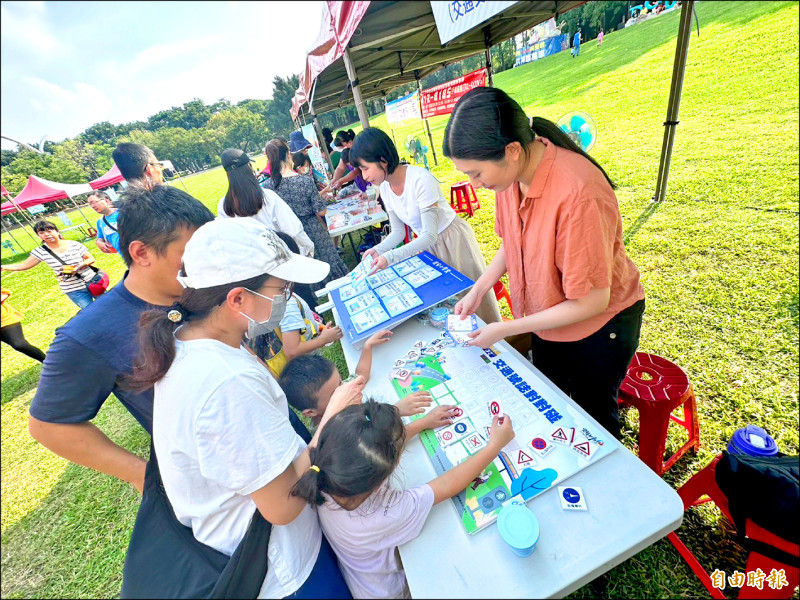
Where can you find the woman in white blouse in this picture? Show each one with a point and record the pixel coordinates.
(412, 197)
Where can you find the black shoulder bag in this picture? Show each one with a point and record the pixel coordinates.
(165, 560)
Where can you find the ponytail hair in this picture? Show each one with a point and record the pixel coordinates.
(156, 339)
(277, 154)
(358, 450)
(485, 120)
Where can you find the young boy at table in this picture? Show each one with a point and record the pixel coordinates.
(310, 380)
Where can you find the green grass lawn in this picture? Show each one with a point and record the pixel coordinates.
(719, 263)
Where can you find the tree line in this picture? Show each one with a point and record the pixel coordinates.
(193, 135)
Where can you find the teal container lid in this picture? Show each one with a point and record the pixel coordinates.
(439, 314)
(518, 526)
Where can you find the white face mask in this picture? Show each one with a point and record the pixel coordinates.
(257, 328)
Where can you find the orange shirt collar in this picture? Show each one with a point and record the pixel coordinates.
(536, 188)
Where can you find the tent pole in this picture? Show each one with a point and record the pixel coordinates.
(488, 55)
(676, 87)
(24, 216)
(22, 225)
(427, 125)
(351, 75)
(390, 125)
(80, 211)
(326, 152)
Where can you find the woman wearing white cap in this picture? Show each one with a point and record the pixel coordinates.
(221, 432)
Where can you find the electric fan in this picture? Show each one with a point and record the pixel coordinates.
(417, 150)
(581, 129)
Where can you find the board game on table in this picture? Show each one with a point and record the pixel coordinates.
(552, 440)
(389, 297)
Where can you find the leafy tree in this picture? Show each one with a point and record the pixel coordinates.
(104, 132)
(279, 121)
(239, 128)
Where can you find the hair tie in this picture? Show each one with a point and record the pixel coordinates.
(367, 418)
(530, 122)
(314, 468)
(177, 313)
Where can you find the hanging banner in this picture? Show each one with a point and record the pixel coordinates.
(440, 99)
(454, 18)
(403, 108)
(319, 167)
(526, 54)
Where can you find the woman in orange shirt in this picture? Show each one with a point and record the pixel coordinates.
(573, 288)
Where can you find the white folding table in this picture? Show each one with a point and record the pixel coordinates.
(629, 508)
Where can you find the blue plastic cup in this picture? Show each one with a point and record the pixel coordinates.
(752, 440)
(518, 527)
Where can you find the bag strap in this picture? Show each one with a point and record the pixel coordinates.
(109, 224)
(54, 255)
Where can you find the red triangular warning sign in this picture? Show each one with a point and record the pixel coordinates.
(523, 458)
(583, 448)
(559, 433)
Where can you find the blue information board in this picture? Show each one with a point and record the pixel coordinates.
(395, 294)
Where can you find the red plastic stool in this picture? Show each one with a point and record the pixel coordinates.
(702, 487)
(460, 198)
(656, 387)
(501, 292)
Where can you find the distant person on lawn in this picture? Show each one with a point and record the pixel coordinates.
(11, 329)
(98, 345)
(107, 229)
(138, 165)
(69, 260)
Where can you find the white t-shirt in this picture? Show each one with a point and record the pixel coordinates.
(299, 315)
(278, 216)
(421, 190)
(366, 539)
(221, 431)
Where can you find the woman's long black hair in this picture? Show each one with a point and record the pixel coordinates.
(485, 120)
(245, 197)
(277, 153)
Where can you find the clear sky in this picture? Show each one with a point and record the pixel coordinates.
(67, 65)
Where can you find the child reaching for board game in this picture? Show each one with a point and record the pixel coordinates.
(363, 517)
(310, 380)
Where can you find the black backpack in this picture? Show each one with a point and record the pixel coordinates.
(764, 489)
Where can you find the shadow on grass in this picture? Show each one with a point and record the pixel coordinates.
(640, 221)
(19, 384)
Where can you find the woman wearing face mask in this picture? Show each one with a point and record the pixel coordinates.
(221, 432)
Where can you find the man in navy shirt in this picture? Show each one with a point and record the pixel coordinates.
(96, 346)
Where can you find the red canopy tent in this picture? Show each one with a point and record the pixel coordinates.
(35, 192)
(113, 177)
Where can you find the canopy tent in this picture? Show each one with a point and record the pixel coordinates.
(371, 48)
(112, 177)
(3, 190)
(41, 191)
(390, 44)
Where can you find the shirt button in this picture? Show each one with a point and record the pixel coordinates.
(613, 336)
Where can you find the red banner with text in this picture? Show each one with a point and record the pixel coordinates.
(440, 99)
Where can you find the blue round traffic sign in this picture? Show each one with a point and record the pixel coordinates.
(571, 495)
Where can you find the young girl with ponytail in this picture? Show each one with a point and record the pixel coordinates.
(363, 517)
(576, 294)
(221, 428)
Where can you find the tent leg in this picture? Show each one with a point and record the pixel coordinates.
(80, 211)
(427, 125)
(22, 226)
(488, 56)
(351, 75)
(676, 87)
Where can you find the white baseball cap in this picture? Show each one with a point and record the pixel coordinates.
(227, 251)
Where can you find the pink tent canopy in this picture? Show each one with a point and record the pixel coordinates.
(3, 190)
(35, 192)
(113, 177)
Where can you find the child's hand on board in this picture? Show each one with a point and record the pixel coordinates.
(440, 416)
(501, 433)
(414, 404)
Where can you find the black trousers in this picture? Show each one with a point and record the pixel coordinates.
(13, 336)
(591, 370)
